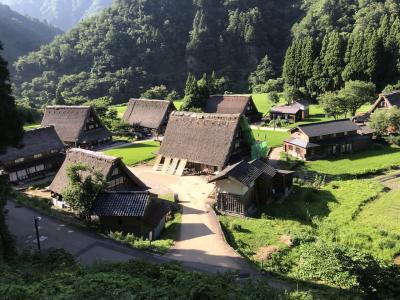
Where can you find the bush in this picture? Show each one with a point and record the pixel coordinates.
(272, 85)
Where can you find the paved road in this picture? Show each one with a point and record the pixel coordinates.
(275, 156)
(201, 240)
(87, 247)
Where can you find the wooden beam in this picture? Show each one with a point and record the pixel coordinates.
(165, 167)
(181, 167)
(157, 163)
(173, 166)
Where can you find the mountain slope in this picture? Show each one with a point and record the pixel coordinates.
(136, 44)
(20, 35)
(63, 14)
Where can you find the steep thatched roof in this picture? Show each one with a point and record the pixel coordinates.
(200, 138)
(34, 142)
(70, 123)
(228, 104)
(391, 99)
(147, 113)
(95, 161)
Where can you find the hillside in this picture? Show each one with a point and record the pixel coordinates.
(20, 35)
(60, 13)
(136, 44)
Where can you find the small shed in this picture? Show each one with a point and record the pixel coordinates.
(293, 113)
(149, 115)
(243, 188)
(77, 126)
(233, 104)
(140, 213)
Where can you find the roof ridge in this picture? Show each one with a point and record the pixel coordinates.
(124, 192)
(195, 115)
(72, 106)
(323, 122)
(149, 100)
(93, 154)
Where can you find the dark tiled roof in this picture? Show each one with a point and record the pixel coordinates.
(326, 128)
(244, 172)
(227, 104)
(121, 204)
(34, 142)
(147, 113)
(70, 123)
(287, 109)
(200, 138)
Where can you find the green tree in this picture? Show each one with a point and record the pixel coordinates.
(357, 93)
(156, 92)
(264, 72)
(379, 122)
(291, 93)
(333, 104)
(194, 96)
(83, 187)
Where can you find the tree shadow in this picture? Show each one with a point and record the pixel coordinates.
(302, 205)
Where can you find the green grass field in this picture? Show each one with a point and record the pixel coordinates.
(339, 212)
(273, 138)
(135, 153)
(370, 161)
(120, 110)
(31, 126)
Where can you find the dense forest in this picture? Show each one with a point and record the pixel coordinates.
(309, 46)
(60, 13)
(135, 45)
(21, 35)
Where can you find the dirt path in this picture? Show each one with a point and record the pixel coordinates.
(275, 156)
(200, 238)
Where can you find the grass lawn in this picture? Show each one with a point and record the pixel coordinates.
(274, 138)
(120, 110)
(370, 161)
(31, 126)
(333, 213)
(135, 153)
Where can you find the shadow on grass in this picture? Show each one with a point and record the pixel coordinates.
(138, 145)
(302, 205)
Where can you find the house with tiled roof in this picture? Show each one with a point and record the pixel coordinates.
(294, 112)
(137, 212)
(324, 139)
(39, 154)
(244, 187)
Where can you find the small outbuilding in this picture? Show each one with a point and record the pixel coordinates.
(245, 187)
(40, 154)
(77, 126)
(201, 142)
(295, 112)
(117, 175)
(233, 104)
(140, 213)
(149, 115)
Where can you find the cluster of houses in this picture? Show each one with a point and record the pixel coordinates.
(210, 143)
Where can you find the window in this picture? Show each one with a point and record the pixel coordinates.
(19, 160)
(39, 155)
(39, 168)
(91, 127)
(237, 145)
(115, 172)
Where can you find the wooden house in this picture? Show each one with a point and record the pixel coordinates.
(292, 113)
(243, 188)
(201, 142)
(117, 175)
(233, 104)
(140, 213)
(77, 126)
(40, 154)
(148, 115)
(318, 140)
(385, 101)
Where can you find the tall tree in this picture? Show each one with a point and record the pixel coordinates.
(193, 99)
(10, 134)
(264, 72)
(356, 93)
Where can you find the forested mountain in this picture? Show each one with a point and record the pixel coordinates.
(137, 44)
(344, 40)
(63, 14)
(20, 35)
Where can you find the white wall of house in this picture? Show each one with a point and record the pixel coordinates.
(231, 186)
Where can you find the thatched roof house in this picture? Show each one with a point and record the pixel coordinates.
(117, 175)
(202, 142)
(77, 126)
(40, 152)
(140, 213)
(233, 104)
(148, 114)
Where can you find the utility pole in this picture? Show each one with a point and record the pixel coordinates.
(37, 219)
